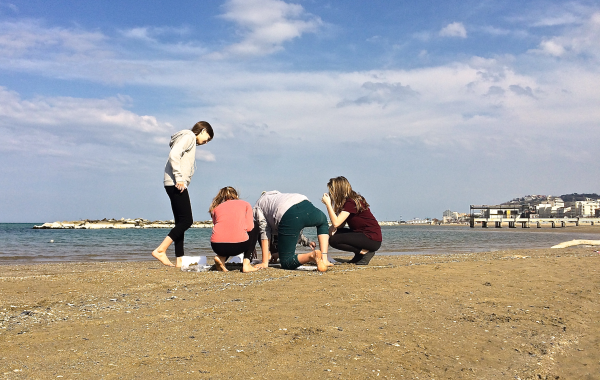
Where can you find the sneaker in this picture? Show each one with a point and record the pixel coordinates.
(364, 260)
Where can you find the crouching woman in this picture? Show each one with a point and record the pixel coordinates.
(234, 231)
(344, 205)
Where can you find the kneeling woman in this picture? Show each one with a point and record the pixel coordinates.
(234, 231)
(344, 205)
(286, 215)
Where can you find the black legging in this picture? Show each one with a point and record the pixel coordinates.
(347, 240)
(182, 212)
(234, 249)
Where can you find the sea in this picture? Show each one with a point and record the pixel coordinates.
(21, 244)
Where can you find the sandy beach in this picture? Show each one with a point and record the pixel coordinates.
(520, 314)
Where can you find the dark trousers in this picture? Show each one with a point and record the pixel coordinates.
(234, 249)
(182, 213)
(297, 217)
(346, 240)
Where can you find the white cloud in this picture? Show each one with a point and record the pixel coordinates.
(10, 6)
(25, 38)
(153, 38)
(455, 29)
(147, 33)
(465, 104)
(265, 25)
(551, 47)
(140, 33)
(580, 40)
(557, 20)
(86, 131)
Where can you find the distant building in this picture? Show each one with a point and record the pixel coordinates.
(454, 217)
(583, 209)
(553, 207)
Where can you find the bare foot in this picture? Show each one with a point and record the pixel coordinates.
(326, 260)
(162, 257)
(247, 267)
(220, 264)
(321, 266)
(179, 262)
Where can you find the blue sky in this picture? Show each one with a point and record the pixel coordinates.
(424, 106)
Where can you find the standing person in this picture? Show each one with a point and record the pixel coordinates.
(234, 231)
(178, 174)
(344, 205)
(286, 215)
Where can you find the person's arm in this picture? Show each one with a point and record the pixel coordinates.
(305, 241)
(265, 232)
(249, 218)
(264, 245)
(175, 155)
(336, 220)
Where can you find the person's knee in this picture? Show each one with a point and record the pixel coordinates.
(323, 226)
(288, 261)
(187, 222)
(334, 243)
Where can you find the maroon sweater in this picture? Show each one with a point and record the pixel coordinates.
(363, 221)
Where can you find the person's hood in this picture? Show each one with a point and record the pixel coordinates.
(177, 136)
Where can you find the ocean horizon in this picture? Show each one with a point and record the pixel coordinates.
(21, 244)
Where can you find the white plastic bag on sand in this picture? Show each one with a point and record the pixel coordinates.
(239, 259)
(194, 264)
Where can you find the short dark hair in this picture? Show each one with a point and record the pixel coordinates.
(202, 125)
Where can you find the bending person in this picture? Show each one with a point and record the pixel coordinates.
(274, 247)
(234, 231)
(344, 205)
(178, 174)
(286, 215)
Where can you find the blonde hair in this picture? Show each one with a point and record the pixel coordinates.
(227, 193)
(340, 191)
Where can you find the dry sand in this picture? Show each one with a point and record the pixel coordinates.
(524, 314)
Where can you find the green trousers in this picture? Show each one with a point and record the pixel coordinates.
(296, 218)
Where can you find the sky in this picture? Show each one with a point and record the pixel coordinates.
(424, 106)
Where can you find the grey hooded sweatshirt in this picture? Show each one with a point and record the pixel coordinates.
(181, 164)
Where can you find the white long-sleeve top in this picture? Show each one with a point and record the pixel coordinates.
(181, 164)
(270, 207)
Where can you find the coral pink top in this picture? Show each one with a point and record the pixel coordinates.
(233, 219)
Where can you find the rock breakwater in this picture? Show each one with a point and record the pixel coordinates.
(117, 224)
(134, 223)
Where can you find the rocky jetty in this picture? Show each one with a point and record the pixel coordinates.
(117, 224)
(134, 223)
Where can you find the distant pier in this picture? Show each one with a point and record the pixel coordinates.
(511, 216)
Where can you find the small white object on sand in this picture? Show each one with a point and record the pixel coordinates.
(194, 264)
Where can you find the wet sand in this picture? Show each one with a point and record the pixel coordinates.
(528, 314)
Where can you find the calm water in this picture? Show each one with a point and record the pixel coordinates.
(20, 244)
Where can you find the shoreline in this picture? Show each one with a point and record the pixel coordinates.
(504, 314)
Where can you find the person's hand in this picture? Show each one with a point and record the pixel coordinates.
(261, 266)
(332, 230)
(326, 199)
(181, 186)
(312, 245)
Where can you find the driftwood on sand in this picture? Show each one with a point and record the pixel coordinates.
(576, 242)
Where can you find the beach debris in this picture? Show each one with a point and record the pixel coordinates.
(194, 264)
(576, 242)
